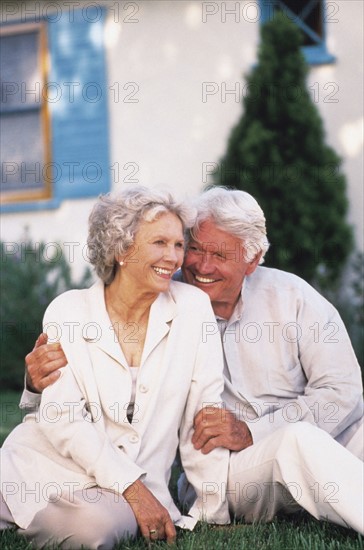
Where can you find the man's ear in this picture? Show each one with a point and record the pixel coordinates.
(253, 264)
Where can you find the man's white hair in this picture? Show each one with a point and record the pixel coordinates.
(237, 213)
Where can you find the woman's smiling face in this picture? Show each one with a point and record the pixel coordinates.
(156, 254)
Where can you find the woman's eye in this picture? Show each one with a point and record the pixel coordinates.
(179, 245)
(159, 242)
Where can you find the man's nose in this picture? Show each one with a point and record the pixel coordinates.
(205, 264)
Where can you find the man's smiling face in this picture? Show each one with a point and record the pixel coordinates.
(215, 263)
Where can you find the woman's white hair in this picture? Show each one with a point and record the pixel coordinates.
(115, 220)
(237, 213)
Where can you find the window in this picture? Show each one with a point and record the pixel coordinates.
(311, 17)
(54, 121)
(24, 137)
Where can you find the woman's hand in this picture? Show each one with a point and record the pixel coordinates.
(43, 364)
(153, 519)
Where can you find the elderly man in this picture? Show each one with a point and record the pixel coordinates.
(293, 392)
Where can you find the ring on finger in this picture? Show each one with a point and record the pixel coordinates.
(153, 531)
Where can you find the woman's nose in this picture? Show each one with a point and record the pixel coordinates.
(171, 254)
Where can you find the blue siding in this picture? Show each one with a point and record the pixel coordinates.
(79, 124)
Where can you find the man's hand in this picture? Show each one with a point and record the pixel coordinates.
(153, 519)
(220, 428)
(43, 364)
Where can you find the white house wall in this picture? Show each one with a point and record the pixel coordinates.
(175, 73)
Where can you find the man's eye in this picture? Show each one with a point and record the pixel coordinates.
(180, 245)
(159, 242)
(219, 256)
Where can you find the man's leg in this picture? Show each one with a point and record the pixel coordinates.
(299, 465)
(353, 439)
(94, 518)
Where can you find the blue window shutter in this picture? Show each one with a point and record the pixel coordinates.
(77, 101)
(316, 54)
(78, 106)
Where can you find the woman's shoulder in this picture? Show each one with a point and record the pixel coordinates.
(73, 296)
(69, 301)
(185, 292)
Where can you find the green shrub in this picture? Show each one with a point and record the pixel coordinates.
(277, 152)
(31, 277)
(348, 298)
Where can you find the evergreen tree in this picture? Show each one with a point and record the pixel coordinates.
(277, 152)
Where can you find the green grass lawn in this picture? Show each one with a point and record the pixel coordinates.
(298, 532)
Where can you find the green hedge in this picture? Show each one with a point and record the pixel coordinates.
(32, 275)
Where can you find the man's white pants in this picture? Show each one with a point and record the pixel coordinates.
(297, 466)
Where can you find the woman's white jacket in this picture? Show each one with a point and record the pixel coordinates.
(80, 436)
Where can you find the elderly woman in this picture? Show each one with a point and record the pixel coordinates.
(92, 465)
